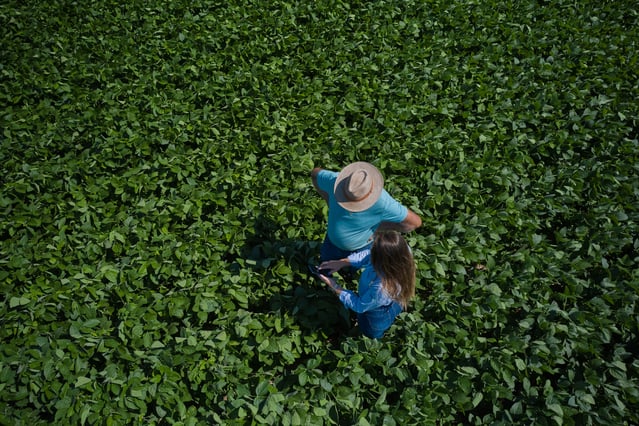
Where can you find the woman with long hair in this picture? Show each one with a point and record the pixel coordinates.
(386, 284)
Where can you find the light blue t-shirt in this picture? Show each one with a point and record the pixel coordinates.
(354, 230)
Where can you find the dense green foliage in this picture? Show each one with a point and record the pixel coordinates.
(156, 212)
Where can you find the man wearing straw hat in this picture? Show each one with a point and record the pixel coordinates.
(358, 205)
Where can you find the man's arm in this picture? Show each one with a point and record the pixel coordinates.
(410, 223)
(314, 174)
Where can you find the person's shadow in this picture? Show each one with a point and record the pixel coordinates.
(300, 295)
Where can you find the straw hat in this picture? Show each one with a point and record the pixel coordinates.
(358, 186)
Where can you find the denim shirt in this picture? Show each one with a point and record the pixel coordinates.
(370, 294)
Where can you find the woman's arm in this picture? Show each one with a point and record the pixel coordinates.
(334, 265)
(371, 298)
(332, 284)
(363, 302)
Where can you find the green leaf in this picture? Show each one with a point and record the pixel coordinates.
(240, 296)
(477, 399)
(91, 323)
(470, 371)
(139, 393)
(84, 415)
(326, 385)
(493, 289)
(157, 345)
(262, 388)
(111, 275)
(588, 399)
(82, 381)
(74, 331)
(302, 378)
(556, 408)
(14, 302)
(517, 408)
(536, 239)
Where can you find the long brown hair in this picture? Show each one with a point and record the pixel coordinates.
(393, 261)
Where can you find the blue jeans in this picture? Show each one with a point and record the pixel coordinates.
(330, 251)
(374, 323)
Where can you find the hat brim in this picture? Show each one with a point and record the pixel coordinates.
(342, 181)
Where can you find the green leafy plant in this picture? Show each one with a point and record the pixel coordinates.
(157, 215)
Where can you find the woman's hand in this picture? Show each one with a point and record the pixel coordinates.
(331, 266)
(331, 283)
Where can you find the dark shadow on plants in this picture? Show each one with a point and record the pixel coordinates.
(287, 284)
(315, 310)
